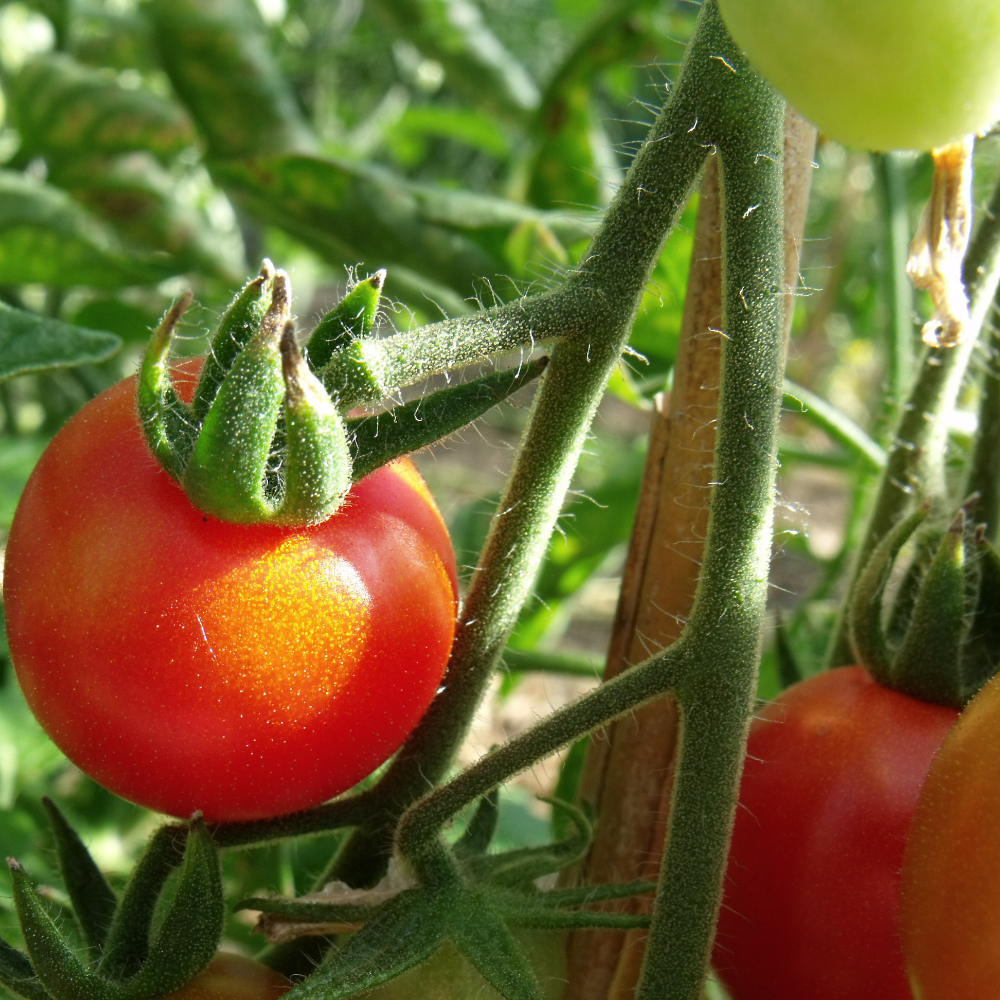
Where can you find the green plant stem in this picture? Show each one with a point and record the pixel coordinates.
(916, 464)
(984, 473)
(891, 176)
(831, 421)
(712, 669)
(593, 311)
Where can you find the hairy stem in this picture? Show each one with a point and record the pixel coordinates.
(916, 462)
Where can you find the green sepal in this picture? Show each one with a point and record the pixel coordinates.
(127, 943)
(865, 606)
(479, 833)
(317, 459)
(522, 866)
(481, 935)
(926, 544)
(356, 374)
(62, 974)
(226, 472)
(402, 933)
(379, 439)
(982, 648)
(584, 895)
(188, 936)
(17, 974)
(166, 421)
(539, 919)
(928, 662)
(236, 328)
(351, 319)
(789, 668)
(94, 901)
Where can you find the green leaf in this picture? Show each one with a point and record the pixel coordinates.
(63, 108)
(217, 57)
(350, 212)
(93, 900)
(33, 343)
(380, 439)
(46, 238)
(404, 932)
(477, 63)
(154, 210)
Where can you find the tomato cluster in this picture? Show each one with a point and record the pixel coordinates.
(191, 664)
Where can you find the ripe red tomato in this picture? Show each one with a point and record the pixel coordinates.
(951, 873)
(232, 977)
(186, 663)
(811, 909)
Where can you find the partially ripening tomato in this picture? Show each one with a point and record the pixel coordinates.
(811, 908)
(951, 874)
(878, 74)
(190, 664)
(232, 977)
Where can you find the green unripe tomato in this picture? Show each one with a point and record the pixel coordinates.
(878, 74)
(447, 975)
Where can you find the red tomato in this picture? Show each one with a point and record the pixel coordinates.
(186, 663)
(232, 977)
(811, 909)
(951, 873)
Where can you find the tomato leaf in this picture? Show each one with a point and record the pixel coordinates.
(33, 343)
(348, 212)
(46, 238)
(62, 107)
(94, 901)
(379, 439)
(127, 942)
(218, 60)
(404, 932)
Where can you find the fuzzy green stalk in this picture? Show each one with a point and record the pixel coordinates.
(916, 464)
(713, 667)
(984, 472)
(593, 314)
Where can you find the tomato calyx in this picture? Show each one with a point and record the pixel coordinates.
(266, 437)
(130, 958)
(463, 894)
(940, 640)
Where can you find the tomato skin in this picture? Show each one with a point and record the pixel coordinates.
(878, 74)
(232, 977)
(187, 663)
(811, 908)
(951, 872)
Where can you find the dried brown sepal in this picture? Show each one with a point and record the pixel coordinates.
(938, 248)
